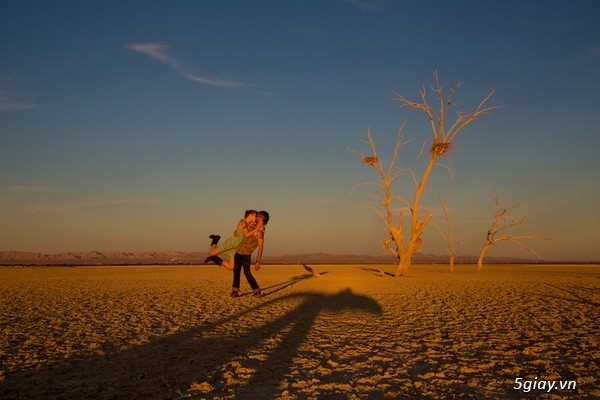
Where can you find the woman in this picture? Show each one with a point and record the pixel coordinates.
(245, 227)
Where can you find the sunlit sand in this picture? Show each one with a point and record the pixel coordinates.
(346, 332)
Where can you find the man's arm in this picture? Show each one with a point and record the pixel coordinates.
(259, 254)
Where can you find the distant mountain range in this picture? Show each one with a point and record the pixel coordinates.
(194, 258)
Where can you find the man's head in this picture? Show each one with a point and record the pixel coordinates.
(263, 216)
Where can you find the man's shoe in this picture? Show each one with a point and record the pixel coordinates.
(235, 294)
(258, 295)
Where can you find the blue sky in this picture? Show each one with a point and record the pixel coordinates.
(130, 125)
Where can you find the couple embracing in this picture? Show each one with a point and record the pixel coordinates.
(249, 235)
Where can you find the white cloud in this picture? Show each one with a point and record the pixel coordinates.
(585, 55)
(159, 51)
(213, 81)
(9, 102)
(25, 189)
(155, 50)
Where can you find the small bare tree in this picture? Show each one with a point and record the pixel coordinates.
(446, 237)
(440, 144)
(386, 199)
(502, 222)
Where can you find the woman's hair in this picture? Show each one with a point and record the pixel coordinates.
(265, 216)
(249, 212)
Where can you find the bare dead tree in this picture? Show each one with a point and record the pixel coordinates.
(502, 222)
(446, 237)
(443, 135)
(386, 199)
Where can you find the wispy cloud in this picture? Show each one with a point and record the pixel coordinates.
(584, 55)
(160, 52)
(61, 207)
(20, 102)
(25, 188)
(592, 52)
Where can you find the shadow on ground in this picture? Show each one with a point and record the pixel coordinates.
(196, 363)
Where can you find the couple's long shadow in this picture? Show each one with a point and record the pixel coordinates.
(194, 363)
(270, 290)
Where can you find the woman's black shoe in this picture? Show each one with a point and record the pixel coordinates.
(215, 239)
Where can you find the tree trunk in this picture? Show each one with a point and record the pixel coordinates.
(404, 263)
(484, 249)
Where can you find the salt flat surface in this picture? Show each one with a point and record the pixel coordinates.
(165, 332)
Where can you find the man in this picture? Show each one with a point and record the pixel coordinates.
(243, 256)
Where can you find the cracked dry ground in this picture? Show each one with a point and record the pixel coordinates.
(173, 333)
